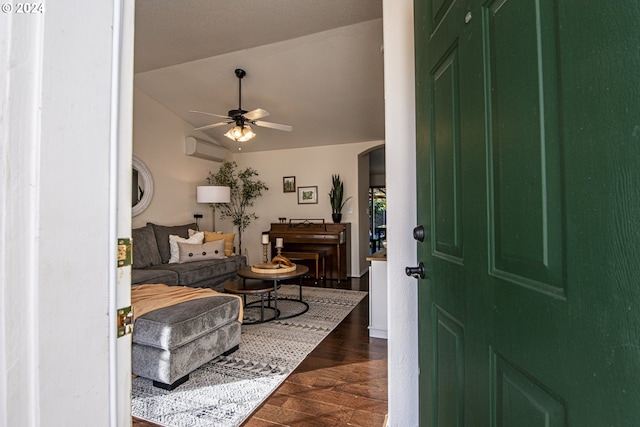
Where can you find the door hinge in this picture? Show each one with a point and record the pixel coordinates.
(125, 321)
(124, 252)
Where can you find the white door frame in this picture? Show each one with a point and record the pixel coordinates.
(65, 146)
(120, 204)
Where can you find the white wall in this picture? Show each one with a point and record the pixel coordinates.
(401, 212)
(158, 140)
(311, 167)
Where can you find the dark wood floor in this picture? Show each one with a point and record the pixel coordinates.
(342, 382)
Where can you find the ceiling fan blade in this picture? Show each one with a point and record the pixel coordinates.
(256, 114)
(209, 114)
(215, 125)
(277, 126)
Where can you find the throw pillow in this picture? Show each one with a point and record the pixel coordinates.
(145, 248)
(197, 238)
(162, 237)
(211, 250)
(228, 238)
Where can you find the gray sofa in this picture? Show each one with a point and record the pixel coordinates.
(171, 342)
(151, 253)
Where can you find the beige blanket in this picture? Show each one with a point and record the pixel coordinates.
(146, 298)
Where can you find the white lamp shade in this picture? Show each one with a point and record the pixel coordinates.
(213, 194)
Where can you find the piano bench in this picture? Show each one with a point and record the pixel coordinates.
(316, 255)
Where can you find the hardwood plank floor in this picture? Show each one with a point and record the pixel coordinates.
(342, 382)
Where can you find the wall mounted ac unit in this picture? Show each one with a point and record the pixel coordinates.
(204, 150)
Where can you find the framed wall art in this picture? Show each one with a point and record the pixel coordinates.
(289, 184)
(307, 195)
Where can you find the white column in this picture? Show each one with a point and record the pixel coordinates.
(401, 212)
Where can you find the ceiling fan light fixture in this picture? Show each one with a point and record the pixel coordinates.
(247, 132)
(234, 133)
(240, 133)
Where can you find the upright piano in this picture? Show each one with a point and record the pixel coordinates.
(313, 235)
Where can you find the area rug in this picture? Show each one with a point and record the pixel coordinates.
(225, 391)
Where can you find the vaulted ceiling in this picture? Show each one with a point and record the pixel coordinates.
(316, 65)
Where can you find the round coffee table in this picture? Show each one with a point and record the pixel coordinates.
(274, 279)
(246, 287)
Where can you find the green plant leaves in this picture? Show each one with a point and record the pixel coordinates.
(245, 188)
(336, 194)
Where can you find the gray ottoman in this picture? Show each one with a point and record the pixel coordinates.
(172, 342)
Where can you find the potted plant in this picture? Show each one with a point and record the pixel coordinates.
(245, 188)
(336, 196)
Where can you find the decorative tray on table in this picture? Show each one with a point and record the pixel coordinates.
(278, 265)
(272, 268)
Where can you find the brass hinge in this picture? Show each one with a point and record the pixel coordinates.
(124, 252)
(125, 321)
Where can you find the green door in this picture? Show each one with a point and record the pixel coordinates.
(528, 162)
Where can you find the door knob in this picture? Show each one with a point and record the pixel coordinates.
(418, 233)
(416, 272)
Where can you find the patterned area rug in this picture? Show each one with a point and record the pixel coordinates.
(225, 391)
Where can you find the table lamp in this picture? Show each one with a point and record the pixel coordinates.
(213, 194)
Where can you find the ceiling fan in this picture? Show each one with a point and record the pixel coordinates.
(242, 132)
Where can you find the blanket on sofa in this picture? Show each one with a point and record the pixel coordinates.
(149, 297)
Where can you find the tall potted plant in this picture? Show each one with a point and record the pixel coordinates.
(245, 188)
(336, 196)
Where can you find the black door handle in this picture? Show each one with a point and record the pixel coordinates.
(418, 233)
(416, 272)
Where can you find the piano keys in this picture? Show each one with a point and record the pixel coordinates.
(313, 235)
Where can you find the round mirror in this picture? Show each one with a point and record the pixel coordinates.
(141, 187)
